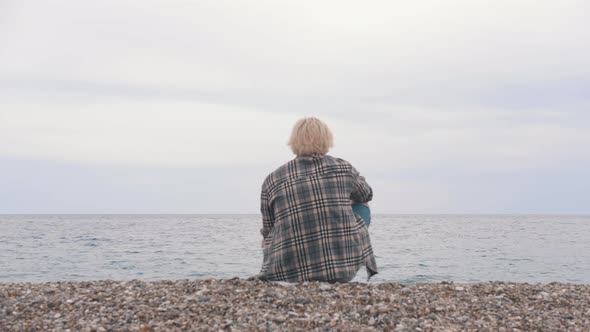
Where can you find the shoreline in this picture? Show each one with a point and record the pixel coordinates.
(244, 305)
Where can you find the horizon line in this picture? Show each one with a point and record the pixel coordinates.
(258, 214)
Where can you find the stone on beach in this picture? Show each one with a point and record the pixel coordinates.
(244, 305)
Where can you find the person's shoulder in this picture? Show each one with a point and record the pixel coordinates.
(337, 161)
(279, 173)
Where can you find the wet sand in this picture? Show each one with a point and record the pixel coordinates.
(242, 305)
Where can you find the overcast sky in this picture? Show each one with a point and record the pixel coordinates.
(185, 106)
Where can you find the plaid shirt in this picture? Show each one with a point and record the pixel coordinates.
(310, 231)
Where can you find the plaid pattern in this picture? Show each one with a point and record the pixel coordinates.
(310, 231)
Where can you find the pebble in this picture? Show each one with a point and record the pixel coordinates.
(303, 300)
(279, 319)
(245, 305)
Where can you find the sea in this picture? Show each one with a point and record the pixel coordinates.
(408, 248)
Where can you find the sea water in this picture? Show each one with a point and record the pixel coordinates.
(408, 248)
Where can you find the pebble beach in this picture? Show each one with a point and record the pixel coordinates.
(252, 305)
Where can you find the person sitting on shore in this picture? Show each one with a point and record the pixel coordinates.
(310, 230)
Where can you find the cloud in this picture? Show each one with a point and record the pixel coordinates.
(37, 186)
(175, 133)
(423, 54)
(144, 133)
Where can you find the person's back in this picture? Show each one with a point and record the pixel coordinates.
(310, 230)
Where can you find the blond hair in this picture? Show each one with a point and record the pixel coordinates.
(310, 136)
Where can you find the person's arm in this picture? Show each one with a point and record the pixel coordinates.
(267, 214)
(361, 191)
